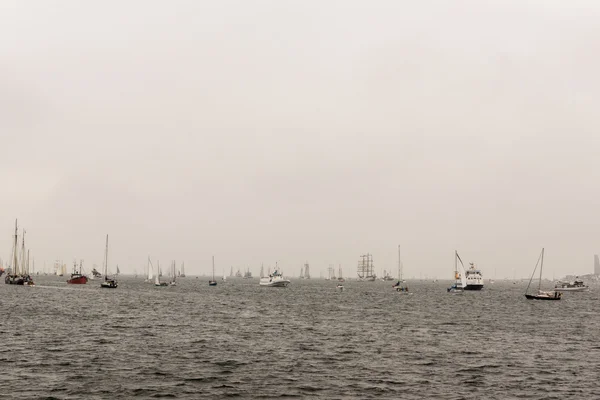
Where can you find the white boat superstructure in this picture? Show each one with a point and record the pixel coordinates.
(576, 286)
(275, 279)
(474, 278)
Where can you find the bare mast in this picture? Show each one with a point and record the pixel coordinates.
(15, 260)
(106, 260)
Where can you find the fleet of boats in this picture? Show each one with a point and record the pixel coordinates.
(464, 279)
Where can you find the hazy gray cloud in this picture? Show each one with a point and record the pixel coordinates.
(292, 131)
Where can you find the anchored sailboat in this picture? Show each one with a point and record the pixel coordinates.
(460, 280)
(173, 274)
(108, 283)
(157, 281)
(541, 295)
(213, 282)
(400, 286)
(18, 276)
(150, 267)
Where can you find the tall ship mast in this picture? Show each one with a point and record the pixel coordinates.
(366, 268)
(19, 274)
(306, 271)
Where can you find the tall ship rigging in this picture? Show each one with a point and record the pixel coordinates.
(366, 269)
(18, 274)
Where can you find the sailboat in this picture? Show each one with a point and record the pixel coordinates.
(224, 277)
(340, 277)
(366, 269)
(541, 295)
(18, 276)
(213, 282)
(400, 286)
(173, 274)
(460, 280)
(108, 283)
(150, 273)
(157, 281)
(182, 272)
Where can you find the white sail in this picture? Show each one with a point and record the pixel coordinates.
(156, 280)
(462, 272)
(150, 274)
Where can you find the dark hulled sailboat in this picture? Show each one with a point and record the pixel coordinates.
(108, 283)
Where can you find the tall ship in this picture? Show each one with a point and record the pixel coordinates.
(474, 278)
(306, 271)
(238, 274)
(340, 276)
(18, 274)
(77, 277)
(366, 269)
(60, 269)
(248, 274)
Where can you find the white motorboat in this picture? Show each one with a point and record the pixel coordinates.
(340, 287)
(575, 286)
(474, 278)
(274, 279)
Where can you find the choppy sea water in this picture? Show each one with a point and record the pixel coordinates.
(305, 341)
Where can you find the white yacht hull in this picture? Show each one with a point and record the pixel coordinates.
(274, 283)
(572, 289)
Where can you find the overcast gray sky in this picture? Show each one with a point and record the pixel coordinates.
(263, 131)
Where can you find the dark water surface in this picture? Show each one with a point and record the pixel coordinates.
(305, 341)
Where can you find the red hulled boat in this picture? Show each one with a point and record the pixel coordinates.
(77, 277)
